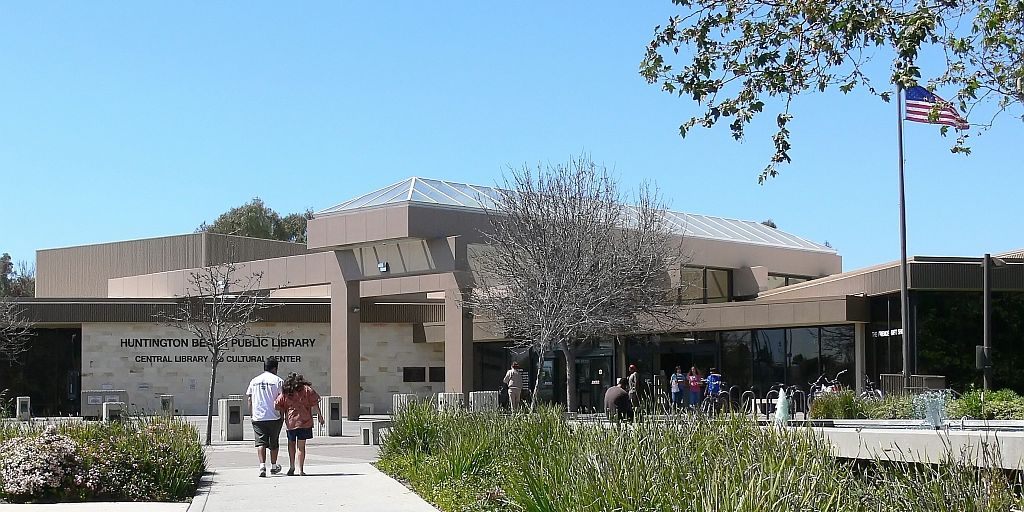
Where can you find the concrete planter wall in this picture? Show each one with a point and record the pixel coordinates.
(483, 401)
(449, 401)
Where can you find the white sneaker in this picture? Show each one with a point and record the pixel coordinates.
(275, 469)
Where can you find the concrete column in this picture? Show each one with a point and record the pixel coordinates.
(860, 346)
(345, 346)
(458, 344)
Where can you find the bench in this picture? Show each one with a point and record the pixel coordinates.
(371, 433)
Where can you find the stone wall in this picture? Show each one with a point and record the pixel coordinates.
(386, 350)
(150, 359)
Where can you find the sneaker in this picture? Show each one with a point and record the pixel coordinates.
(276, 469)
(291, 471)
(263, 472)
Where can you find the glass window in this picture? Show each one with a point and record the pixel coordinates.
(794, 280)
(691, 285)
(414, 374)
(803, 356)
(837, 352)
(769, 358)
(775, 281)
(437, 374)
(717, 285)
(736, 358)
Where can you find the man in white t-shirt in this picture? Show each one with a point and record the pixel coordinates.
(266, 421)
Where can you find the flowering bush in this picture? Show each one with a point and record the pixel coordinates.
(140, 459)
(46, 466)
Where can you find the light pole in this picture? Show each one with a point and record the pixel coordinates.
(986, 340)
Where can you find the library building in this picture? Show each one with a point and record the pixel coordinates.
(371, 306)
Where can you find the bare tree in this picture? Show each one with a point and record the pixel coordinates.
(218, 307)
(569, 260)
(15, 331)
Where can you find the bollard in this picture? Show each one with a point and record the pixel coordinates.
(330, 407)
(400, 400)
(483, 401)
(449, 401)
(230, 413)
(23, 409)
(113, 411)
(167, 405)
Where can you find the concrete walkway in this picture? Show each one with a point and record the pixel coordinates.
(339, 477)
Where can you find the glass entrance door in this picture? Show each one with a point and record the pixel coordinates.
(593, 377)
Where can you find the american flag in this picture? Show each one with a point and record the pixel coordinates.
(920, 103)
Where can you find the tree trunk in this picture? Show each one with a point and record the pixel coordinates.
(536, 384)
(572, 399)
(209, 406)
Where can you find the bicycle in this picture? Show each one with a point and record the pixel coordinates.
(871, 390)
(823, 386)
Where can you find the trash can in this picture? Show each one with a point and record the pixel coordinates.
(449, 401)
(167, 405)
(113, 411)
(330, 407)
(230, 414)
(23, 409)
(93, 400)
(483, 401)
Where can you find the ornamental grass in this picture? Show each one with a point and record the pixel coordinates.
(138, 459)
(541, 462)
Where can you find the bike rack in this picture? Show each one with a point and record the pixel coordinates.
(748, 403)
(771, 398)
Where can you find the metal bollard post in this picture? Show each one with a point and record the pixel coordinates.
(23, 409)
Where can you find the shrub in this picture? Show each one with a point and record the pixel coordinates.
(841, 406)
(892, 407)
(140, 459)
(46, 466)
(1003, 404)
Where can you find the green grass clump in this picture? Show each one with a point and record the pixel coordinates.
(1003, 404)
(842, 405)
(541, 462)
(138, 459)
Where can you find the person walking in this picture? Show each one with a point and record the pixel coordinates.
(263, 390)
(514, 380)
(298, 401)
(679, 384)
(693, 379)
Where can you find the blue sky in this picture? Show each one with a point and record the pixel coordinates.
(122, 121)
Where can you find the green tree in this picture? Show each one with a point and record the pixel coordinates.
(255, 219)
(16, 280)
(737, 55)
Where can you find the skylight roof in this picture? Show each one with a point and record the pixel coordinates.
(461, 195)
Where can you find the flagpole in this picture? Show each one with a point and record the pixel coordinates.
(904, 291)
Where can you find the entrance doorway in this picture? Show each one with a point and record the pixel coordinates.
(593, 377)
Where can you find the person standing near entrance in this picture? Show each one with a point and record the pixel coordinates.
(679, 384)
(634, 385)
(262, 392)
(693, 379)
(514, 380)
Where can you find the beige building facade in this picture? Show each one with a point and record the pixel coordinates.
(379, 287)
